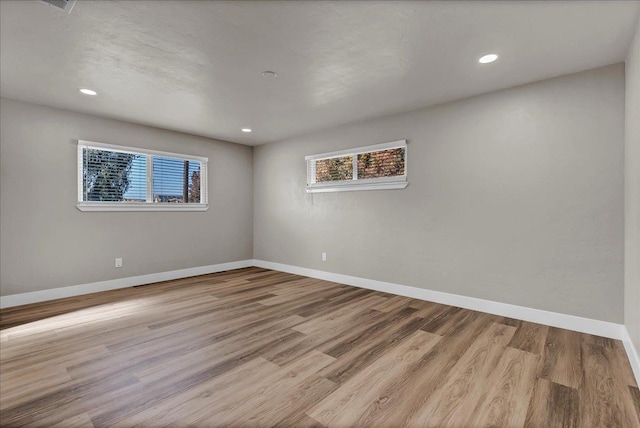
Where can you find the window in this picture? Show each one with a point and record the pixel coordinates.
(382, 166)
(116, 178)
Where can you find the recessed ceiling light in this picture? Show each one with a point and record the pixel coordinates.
(269, 74)
(488, 58)
(246, 130)
(88, 91)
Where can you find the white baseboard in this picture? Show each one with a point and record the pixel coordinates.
(113, 284)
(554, 319)
(632, 353)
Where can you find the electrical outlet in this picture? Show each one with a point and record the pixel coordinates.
(119, 262)
(324, 257)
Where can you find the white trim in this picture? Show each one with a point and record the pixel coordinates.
(149, 205)
(80, 160)
(204, 185)
(113, 284)
(361, 182)
(373, 148)
(554, 319)
(632, 353)
(379, 183)
(138, 151)
(140, 206)
(348, 187)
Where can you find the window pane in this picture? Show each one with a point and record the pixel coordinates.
(334, 169)
(384, 163)
(194, 182)
(108, 176)
(176, 180)
(137, 191)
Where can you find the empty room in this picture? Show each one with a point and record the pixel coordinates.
(319, 213)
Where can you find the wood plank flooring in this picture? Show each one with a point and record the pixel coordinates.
(258, 348)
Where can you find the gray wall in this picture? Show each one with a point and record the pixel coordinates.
(47, 242)
(632, 194)
(515, 196)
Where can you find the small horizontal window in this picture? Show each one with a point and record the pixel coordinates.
(117, 178)
(381, 166)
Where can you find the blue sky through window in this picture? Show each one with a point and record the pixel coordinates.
(168, 176)
(137, 179)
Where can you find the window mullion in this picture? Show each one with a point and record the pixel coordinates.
(138, 167)
(385, 168)
(355, 167)
(149, 179)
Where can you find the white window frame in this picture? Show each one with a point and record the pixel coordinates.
(142, 206)
(381, 183)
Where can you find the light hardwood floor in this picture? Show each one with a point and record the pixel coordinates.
(255, 347)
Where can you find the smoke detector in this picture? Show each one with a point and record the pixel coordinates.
(65, 5)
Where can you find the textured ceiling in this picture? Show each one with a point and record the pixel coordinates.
(195, 66)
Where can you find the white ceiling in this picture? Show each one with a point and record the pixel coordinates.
(195, 66)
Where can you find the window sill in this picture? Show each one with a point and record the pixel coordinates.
(355, 187)
(142, 207)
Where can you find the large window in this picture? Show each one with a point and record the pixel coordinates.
(382, 166)
(116, 178)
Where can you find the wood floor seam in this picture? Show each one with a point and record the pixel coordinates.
(256, 348)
